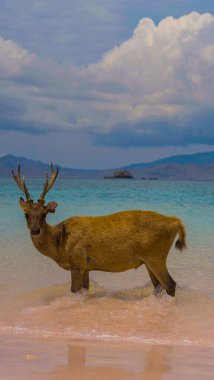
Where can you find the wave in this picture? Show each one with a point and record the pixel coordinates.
(130, 315)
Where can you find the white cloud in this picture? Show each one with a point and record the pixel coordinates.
(13, 58)
(162, 69)
(162, 75)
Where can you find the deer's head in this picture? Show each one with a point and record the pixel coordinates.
(35, 213)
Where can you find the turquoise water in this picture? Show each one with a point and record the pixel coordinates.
(192, 201)
(38, 290)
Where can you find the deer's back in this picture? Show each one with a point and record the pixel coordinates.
(118, 241)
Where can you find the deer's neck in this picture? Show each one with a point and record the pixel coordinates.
(47, 242)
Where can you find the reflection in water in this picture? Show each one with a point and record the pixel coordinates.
(98, 361)
(157, 363)
(81, 360)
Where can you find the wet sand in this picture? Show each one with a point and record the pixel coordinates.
(27, 357)
(52, 334)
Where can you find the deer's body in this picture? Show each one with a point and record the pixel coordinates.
(111, 243)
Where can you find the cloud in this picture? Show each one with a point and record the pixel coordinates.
(154, 89)
(81, 30)
(162, 64)
(67, 30)
(166, 77)
(198, 128)
(13, 58)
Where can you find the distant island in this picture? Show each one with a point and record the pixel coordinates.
(193, 167)
(120, 174)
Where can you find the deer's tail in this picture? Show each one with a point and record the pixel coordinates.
(181, 242)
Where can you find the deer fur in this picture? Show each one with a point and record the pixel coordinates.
(110, 243)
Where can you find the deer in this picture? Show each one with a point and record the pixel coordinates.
(111, 243)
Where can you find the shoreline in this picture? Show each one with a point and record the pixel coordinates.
(60, 359)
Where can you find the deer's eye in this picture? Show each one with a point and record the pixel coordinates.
(26, 216)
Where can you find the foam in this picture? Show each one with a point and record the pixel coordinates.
(131, 315)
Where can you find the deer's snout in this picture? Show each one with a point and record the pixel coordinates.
(35, 231)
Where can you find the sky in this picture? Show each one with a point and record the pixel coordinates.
(100, 84)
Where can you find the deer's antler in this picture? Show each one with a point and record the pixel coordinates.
(47, 184)
(21, 183)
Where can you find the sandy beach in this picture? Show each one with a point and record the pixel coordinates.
(47, 358)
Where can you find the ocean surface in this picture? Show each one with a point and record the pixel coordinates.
(35, 292)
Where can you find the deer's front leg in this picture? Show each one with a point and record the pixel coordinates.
(76, 279)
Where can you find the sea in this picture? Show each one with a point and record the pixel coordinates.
(120, 307)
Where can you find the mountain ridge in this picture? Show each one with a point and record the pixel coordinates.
(200, 158)
(197, 166)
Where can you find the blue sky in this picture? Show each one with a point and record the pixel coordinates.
(96, 84)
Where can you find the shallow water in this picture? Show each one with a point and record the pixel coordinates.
(132, 315)
(54, 359)
(119, 307)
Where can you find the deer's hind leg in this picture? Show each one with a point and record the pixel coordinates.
(154, 280)
(160, 273)
(157, 286)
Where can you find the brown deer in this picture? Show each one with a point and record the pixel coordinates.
(111, 243)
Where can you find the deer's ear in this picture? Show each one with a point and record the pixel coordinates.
(23, 204)
(51, 207)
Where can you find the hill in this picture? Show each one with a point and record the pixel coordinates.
(199, 166)
(202, 159)
(38, 168)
